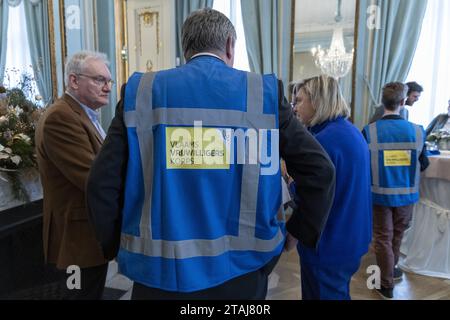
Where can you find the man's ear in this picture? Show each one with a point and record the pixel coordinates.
(230, 51)
(403, 102)
(73, 81)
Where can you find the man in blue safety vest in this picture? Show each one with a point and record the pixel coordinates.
(189, 181)
(397, 149)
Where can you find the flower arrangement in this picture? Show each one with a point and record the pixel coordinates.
(18, 119)
(440, 139)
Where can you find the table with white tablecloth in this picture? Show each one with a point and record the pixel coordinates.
(426, 245)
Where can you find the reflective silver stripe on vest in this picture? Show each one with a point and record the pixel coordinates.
(144, 106)
(396, 146)
(209, 117)
(375, 147)
(393, 191)
(144, 118)
(197, 247)
(250, 173)
(374, 155)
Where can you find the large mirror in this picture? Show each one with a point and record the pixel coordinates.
(29, 45)
(317, 27)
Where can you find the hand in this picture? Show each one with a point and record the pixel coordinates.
(290, 243)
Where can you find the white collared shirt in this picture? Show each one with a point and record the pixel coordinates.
(206, 54)
(92, 115)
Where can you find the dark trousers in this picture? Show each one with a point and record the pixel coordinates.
(327, 282)
(250, 286)
(92, 284)
(389, 225)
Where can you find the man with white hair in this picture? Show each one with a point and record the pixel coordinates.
(68, 137)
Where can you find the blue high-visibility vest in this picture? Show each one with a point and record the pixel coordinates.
(195, 213)
(395, 147)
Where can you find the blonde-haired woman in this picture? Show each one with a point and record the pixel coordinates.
(326, 272)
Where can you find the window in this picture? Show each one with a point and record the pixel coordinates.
(431, 64)
(232, 9)
(18, 58)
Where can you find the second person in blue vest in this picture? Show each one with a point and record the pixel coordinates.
(179, 183)
(326, 272)
(397, 151)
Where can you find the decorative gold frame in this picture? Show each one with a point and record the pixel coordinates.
(121, 43)
(355, 56)
(291, 57)
(51, 28)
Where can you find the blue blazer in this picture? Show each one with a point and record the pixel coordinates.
(348, 230)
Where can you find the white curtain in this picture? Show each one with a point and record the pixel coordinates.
(232, 9)
(4, 9)
(18, 59)
(431, 64)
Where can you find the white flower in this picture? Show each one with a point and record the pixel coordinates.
(5, 153)
(23, 137)
(3, 119)
(17, 111)
(16, 160)
(4, 149)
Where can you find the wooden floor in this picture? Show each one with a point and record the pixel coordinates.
(284, 283)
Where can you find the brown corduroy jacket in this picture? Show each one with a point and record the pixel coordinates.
(66, 145)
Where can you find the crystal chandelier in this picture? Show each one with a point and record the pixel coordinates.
(334, 62)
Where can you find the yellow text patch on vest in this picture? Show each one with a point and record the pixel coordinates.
(197, 148)
(397, 158)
